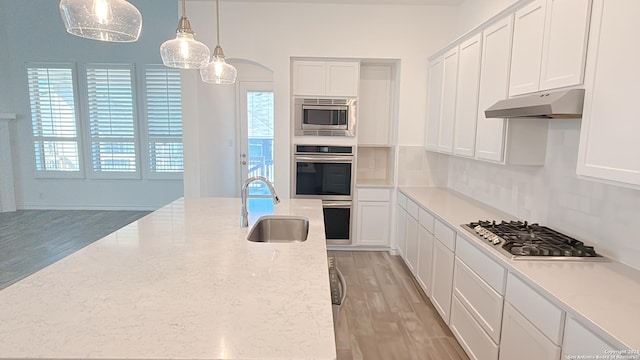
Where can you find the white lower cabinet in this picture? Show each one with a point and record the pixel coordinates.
(401, 230)
(442, 280)
(425, 259)
(580, 341)
(476, 343)
(373, 215)
(411, 242)
(523, 341)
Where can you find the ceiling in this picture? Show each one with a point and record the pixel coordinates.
(365, 2)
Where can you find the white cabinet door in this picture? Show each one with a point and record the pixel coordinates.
(609, 145)
(411, 258)
(425, 259)
(342, 78)
(494, 85)
(374, 105)
(434, 103)
(528, 36)
(401, 230)
(565, 43)
(466, 114)
(326, 78)
(372, 223)
(581, 342)
(449, 87)
(442, 281)
(521, 340)
(309, 78)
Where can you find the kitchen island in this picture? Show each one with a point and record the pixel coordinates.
(182, 282)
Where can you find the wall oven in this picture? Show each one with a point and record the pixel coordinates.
(325, 117)
(326, 172)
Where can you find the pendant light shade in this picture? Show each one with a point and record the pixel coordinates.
(104, 20)
(217, 71)
(184, 52)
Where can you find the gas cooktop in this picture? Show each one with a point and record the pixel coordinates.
(523, 241)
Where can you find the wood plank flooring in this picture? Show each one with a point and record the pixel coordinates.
(386, 315)
(30, 240)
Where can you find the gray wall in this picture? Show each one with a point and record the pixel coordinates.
(32, 31)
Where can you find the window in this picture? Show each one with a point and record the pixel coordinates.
(53, 117)
(164, 119)
(111, 112)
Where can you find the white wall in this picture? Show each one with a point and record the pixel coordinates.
(34, 32)
(605, 215)
(271, 33)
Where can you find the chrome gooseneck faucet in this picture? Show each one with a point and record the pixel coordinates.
(245, 194)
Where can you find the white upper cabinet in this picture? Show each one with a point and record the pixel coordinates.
(449, 88)
(565, 43)
(528, 36)
(609, 145)
(375, 105)
(549, 45)
(494, 83)
(467, 99)
(434, 103)
(326, 78)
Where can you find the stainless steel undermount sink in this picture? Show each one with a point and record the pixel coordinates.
(279, 228)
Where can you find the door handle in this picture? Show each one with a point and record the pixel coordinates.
(243, 162)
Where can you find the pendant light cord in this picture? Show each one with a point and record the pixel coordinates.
(184, 8)
(218, 21)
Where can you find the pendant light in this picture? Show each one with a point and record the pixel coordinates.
(217, 71)
(104, 20)
(184, 52)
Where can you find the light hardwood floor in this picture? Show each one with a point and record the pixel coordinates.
(386, 315)
(30, 240)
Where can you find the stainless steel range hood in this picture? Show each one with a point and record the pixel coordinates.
(565, 104)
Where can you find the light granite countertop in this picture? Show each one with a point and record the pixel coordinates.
(181, 283)
(603, 295)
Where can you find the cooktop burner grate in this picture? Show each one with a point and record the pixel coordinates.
(518, 240)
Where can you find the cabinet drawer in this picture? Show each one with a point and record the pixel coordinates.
(544, 315)
(373, 194)
(578, 340)
(412, 208)
(445, 234)
(521, 340)
(426, 220)
(473, 339)
(402, 200)
(490, 271)
(482, 302)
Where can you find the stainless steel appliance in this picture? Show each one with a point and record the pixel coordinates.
(519, 240)
(338, 287)
(325, 117)
(326, 172)
(563, 104)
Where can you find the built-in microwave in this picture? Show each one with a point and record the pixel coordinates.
(325, 117)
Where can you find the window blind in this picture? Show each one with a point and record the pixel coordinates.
(111, 119)
(53, 117)
(164, 119)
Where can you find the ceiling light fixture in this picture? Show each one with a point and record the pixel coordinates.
(184, 52)
(103, 20)
(217, 71)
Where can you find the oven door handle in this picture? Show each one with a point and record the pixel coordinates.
(343, 159)
(337, 205)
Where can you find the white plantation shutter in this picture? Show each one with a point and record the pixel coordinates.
(164, 119)
(53, 117)
(110, 104)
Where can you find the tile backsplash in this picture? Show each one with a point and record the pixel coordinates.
(605, 215)
(417, 167)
